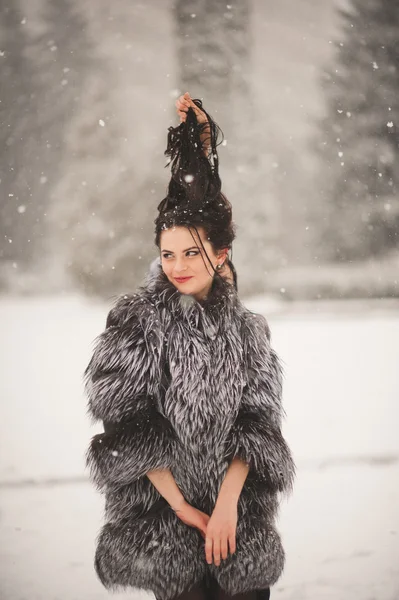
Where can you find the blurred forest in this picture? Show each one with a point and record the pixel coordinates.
(306, 93)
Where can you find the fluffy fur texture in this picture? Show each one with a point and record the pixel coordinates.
(186, 385)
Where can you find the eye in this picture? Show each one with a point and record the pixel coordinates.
(166, 255)
(192, 252)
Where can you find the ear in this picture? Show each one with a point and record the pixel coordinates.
(223, 254)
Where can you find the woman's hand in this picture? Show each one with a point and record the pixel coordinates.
(192, 516)
(221, 532)
(183, 103)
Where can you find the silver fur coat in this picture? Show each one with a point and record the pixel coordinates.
(185, 385)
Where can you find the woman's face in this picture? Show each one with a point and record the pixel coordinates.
(185, 263)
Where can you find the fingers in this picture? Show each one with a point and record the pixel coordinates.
(201, 116)
(183, 103)
(217, 547)
(216, 551)
(189, 101)
(232, 542)
(223, 548)
(182, 107)
(208, 549)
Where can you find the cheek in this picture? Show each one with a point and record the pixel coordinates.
(202, 271)
(166, 266)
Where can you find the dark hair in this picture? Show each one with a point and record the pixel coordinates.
(194, 197)
(233, 270)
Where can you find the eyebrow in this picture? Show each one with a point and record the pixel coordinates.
(186, 250)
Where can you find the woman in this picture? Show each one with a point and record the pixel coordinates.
(192, 461)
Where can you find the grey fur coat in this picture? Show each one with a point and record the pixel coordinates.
(185, 385)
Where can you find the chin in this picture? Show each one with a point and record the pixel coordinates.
(189, 290)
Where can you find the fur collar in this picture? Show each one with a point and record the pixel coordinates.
(213, 314)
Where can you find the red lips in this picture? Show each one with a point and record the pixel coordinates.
(182, 279)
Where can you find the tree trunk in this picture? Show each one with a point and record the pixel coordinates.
(214, 60)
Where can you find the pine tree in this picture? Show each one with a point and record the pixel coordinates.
(103, 208)
(42, 73)
(17, 124)
(62, 54)
(360, 135)
(99, 216)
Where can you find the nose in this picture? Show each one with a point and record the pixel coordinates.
(180, 265)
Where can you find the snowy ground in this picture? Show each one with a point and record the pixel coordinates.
(341, 526)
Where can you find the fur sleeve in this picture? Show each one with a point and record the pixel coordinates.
(122, 384)
(256, 434)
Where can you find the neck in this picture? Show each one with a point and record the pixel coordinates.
(203, 294)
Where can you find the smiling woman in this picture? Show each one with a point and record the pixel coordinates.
(192, 459)
(186, 267)
(195, 212)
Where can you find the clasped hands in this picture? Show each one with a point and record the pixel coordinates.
(218, 530)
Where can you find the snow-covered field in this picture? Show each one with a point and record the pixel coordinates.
(341, 526)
